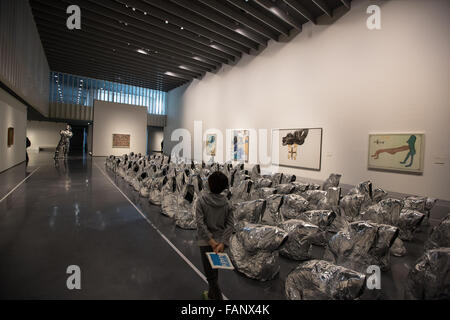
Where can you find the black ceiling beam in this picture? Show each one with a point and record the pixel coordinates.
(108, 56)
(130, 49)
(143, 31)
(294, 4)
(264, 18)
(237, 15)
(100, 73)
(82, 66)
(199, 24)
(120, 56)
(322, 5)
(277, 10)
(233, 43)
(346, 3)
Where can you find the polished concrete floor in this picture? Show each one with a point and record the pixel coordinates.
(71, 213)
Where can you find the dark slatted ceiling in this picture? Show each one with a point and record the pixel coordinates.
(182, 39)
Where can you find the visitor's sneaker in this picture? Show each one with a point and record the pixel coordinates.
(205, 295)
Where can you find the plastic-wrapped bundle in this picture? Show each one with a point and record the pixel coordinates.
(241, 192)
(430, 277)
(285, 188)
(272, 215)
(263, 183)
(293, 205)
(331, 200)
(363, 244)
(386, 211)
(314, 197)
(154, 196)
(250, 211)
(300, 239)
(136, 183)
(350, 206)
(421, 204)
(169, 198)
(408, 223)
(332, 181)
(378, 195)
(262, 193)
(185, 215)
(321, 218)
(300, 187)
(398, 248)
(253, 251)
(365, 189)
(321, 280)
(287, 178)
(440, 235)
(276, 178)
(256, 172)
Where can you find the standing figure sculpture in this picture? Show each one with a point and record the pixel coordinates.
(64, 143)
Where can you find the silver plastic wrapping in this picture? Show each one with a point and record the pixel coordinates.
(408, 223)
(249, 211)
(256, 172)
(364, 189)
(440, 235)
(332, 181)
(429, 279)
(300, 239)
(286, 188)
(331, 200)
(350, 206)
(293, 205)
(314, 197)
(185, 214)
(287, 178)
(263, 183)
(386, 211)
(300, 187)
(241, 192)
(321, 218)
(154, 196)
(361, 245)
(378, 195)
(262, 193)
(276, 178)
(398, 249)
(272, 215)
(253, 251)
(169, 198)
(322, 280)
(421, 204)
(255, 237)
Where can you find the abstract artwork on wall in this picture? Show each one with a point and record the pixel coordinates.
(10, 137)
(403, 152)
(211, 144)
(121, 141)
(298, 148)
(240, 145)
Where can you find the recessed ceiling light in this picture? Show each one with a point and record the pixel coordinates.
(142, 51)
(182, 28)
(167, 21)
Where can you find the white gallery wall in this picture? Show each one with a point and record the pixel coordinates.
(116, 118)
(13, 114)
(44, 134)
(348, 80)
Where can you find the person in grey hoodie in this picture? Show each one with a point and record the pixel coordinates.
(214, 217)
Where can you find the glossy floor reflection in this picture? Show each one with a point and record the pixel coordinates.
(69, 213)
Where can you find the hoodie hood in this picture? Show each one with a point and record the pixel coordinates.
(214, 200)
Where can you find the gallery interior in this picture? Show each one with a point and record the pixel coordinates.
(121, 119)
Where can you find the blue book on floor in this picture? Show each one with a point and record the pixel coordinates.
(219, 261)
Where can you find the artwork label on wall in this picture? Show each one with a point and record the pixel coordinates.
(240, 145)
(10, 137)
(397, 152)
(211, 145)
(121, 140)
(298, 148)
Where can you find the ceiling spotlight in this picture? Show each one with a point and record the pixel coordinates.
(142, 51)
(134, 9)
(167, 21)
(145, 13)
(182, 28)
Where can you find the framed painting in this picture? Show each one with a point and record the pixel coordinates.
(401, 152)
(10, 137)
(121, 140)
(211, 145)
(240, 145)
(298, 148)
